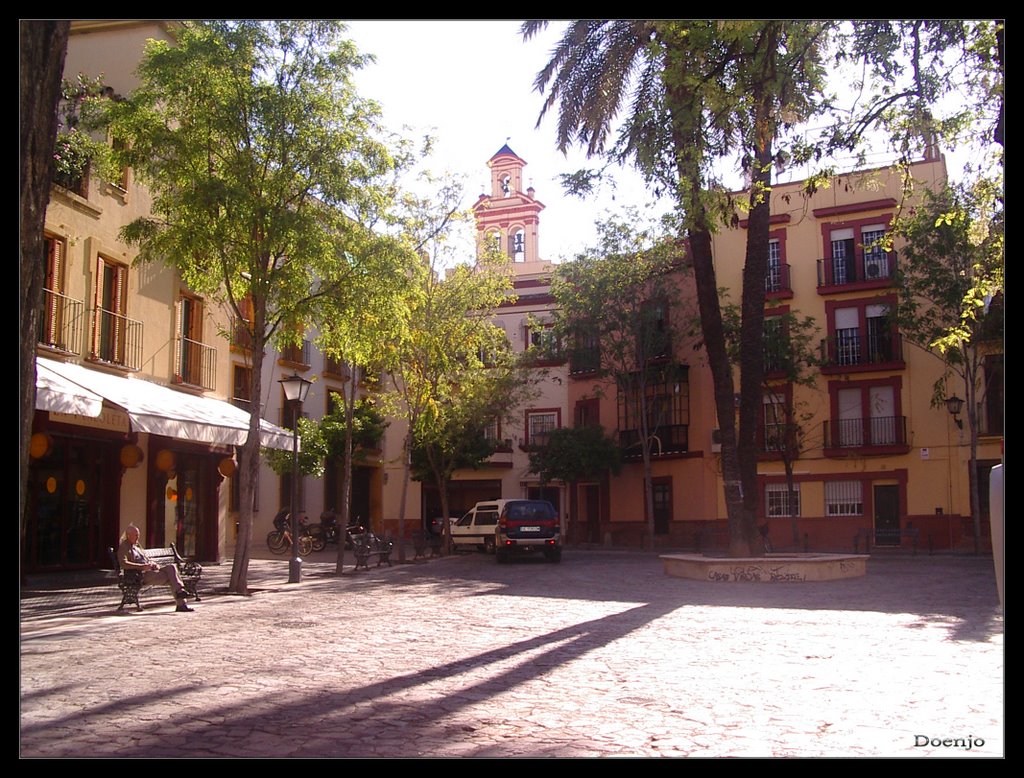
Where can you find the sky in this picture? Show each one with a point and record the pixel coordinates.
(470, 85)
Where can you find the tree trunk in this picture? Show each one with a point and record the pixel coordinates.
(346, 477)
(721, 373)
(406, 472)
(752, 344)
(42, 46)
(250, 464)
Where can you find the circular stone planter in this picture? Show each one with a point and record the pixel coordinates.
(771, 568)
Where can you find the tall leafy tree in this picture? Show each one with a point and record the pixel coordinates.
(573, 454)
(446, 323)
(259, 155)
(477, 390)
(951, 271)
(42, 46)
(618, 313)
(923, 82)
(697, 91)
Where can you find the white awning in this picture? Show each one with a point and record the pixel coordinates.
(158, 409)
(56, 393)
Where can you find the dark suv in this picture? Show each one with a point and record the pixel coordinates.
(525, 526)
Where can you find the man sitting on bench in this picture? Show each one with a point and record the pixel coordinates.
(131, 557)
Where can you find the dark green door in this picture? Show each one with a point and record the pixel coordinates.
(887, 515)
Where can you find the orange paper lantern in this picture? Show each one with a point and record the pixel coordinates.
(39, 445)
(164, 459)
(131, 455)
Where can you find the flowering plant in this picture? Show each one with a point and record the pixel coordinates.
(75, 147)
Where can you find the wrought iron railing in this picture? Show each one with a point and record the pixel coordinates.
(196, 364)
(665, 439)
(116, 339)
(777, 279)
(61, 322)
(848, 348)
(298, 355)
(862, 433)
(856, 268)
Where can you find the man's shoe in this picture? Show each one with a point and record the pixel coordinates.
(183, 608)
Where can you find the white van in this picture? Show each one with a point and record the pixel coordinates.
(476, 528)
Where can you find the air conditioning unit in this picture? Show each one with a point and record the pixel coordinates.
(716, 441)
(872, 271)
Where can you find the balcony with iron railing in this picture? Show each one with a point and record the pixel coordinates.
(116, 339)
(665, 440)
(848, 352)
(777, 440)
(862, 269)
(241, 335)
(296, 355)
(61, 322)
(776, 283)
(875, 435)
(336, 368)
(196, 364)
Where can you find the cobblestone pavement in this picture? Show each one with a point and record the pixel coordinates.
(602, 655)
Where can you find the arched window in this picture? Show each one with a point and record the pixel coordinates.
(518, 248)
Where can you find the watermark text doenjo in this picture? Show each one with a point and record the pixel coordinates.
(966, 743)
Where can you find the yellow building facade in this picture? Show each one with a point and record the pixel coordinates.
(876, 462)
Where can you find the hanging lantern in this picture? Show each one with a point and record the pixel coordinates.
(172, 493)
(131, 455)
(164, 459)
(227, 467)
(39, 445)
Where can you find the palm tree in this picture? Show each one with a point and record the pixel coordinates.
(697, 91)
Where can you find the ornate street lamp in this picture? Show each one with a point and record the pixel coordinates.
(954, 405)
(295, 390)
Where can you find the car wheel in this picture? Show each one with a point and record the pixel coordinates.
(489, 545)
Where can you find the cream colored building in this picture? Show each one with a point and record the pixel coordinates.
(132, 420)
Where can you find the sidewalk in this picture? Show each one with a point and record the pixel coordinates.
(95, 592)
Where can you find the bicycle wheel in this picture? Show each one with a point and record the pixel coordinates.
(305, 545)
(277, 542)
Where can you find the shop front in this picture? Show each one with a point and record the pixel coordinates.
(107, 450)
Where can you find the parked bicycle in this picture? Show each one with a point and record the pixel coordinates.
(328, 531)
(279, 540)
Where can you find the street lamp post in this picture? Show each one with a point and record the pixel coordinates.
(295, 390)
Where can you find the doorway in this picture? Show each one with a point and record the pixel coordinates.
(887, 515)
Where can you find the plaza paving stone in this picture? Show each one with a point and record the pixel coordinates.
(601, 655)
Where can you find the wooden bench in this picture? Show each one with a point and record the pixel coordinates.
(367, 545)
(130, 582)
